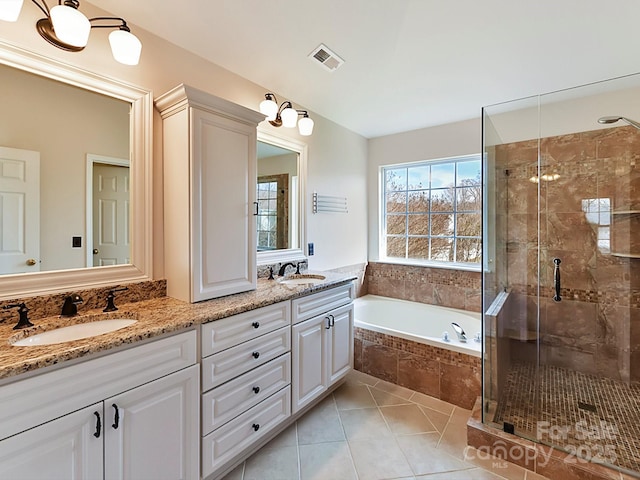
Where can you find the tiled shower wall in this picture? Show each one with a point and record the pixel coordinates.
(595, 329)
(435, 286)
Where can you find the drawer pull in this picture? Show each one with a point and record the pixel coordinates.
(255, 354)
(98, 425)
(256, 427)
(255, 324)
(328, 323)
(256, 390)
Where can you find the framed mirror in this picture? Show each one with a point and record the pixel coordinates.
(280, 223)
(66, 125)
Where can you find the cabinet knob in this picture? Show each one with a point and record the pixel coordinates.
(255, 354)
(256, 427)
(256, 390)
(31, 262)
(255, 324)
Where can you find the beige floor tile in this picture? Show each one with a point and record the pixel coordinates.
(288, 438)
(363, 424)
(474, 474)
(379, 458)
(423, 456)
(406, 419)
(360, 378)
(320, 424)
(432, 403)
(236, 473)
(493, 464)
(454, 438)
(273, 464)
(326, 461)
(534, 476)
(394, 389)
(439, 420)
(350, 396)
(385, 398)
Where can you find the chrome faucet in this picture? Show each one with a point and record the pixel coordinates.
(70, 305)
(283, 268)
(462, 337)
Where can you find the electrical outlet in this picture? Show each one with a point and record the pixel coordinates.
(76, 242)
(310, 249)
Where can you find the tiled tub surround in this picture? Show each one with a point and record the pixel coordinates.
(596, 327)
(156, 317)
(450, 376)
(436, 286)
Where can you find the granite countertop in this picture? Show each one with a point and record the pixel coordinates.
(154, 317)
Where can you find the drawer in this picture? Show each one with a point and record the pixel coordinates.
(237, 435)
(233, 362)
(228, 332)
(231, 399)
(313, 305)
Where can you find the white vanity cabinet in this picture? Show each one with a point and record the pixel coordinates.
(209, 158)
(246, 383)
(322, 343)
(128, 415)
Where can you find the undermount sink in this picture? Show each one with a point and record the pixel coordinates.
(303, 279)
(74, 332)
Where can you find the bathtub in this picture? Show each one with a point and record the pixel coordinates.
(418, 322)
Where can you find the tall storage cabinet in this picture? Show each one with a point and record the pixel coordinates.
(209, 147)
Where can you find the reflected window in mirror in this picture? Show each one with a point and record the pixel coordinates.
(280, 220)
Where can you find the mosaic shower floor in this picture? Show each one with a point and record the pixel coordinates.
(589, 416)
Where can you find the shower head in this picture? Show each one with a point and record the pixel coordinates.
(614, 119)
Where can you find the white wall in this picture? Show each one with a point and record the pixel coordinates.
(443, 141)
(337, 157)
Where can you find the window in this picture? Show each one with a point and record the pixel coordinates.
(431, 211)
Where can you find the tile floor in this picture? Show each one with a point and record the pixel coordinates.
(369, 429)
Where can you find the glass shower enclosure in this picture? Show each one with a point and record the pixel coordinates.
(561, 283)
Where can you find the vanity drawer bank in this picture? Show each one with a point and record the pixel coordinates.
(210, 171)
(166, 326)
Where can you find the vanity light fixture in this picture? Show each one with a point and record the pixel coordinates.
(65, 27)
(285, 115)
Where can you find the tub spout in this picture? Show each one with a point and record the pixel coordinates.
(462, 337)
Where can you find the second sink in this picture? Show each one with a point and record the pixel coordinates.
(74, 332)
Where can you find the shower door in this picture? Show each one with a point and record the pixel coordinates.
(562, 360)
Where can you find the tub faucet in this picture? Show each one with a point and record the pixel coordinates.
(462, 337)
(70, 305)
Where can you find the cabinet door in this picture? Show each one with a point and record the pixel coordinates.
(63, 448)
(340, 343)
(224, 191)
(309, 351)
(151, 432)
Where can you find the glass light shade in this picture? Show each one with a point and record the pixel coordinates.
(269, 108)
(289, 117)
(70, 25)
(125, 47)
(10, 10)
(305, 126)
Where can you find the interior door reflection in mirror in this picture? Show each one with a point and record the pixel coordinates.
(277, 196)
(52, 127)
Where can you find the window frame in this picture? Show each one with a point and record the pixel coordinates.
(382, 215)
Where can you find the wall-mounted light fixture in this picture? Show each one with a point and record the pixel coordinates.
(285, 115)
(65, 27)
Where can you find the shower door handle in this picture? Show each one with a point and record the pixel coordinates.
(556, 279)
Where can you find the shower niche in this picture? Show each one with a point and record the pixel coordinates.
(561, 360)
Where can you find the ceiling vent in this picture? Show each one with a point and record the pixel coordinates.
(328, 59)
